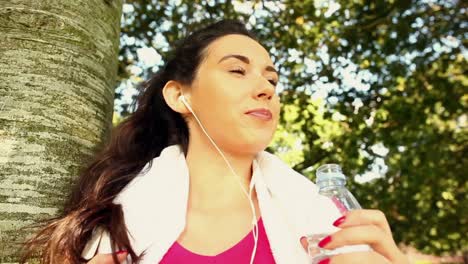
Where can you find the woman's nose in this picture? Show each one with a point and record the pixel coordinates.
(266, 90)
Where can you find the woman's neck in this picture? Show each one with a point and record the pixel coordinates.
(212, 183)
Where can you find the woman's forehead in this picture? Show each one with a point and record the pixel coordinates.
(237, 45)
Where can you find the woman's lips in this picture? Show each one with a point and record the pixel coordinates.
(261, 113)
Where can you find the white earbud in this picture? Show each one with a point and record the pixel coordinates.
(184, 101)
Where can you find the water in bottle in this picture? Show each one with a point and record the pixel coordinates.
(331, 182)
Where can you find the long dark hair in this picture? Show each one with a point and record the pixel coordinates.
(135, 142)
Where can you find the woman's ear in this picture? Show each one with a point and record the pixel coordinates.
(172, 92)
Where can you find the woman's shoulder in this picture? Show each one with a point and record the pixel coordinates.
(99, 243)
(297, 193)
(280, 177)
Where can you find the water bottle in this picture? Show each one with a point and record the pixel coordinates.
(331, 182)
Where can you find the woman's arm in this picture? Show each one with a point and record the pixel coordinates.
(99, 251)
(107, 258)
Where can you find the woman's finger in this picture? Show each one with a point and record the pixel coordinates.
(304, 242)
(356, 258)
(107, 258)
(370, 235)
(364, 217)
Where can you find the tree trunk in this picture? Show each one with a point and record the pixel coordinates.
(58, 66)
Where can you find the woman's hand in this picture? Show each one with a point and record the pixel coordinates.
(362, 227)
(107, 258)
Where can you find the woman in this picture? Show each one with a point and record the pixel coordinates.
(185, 178)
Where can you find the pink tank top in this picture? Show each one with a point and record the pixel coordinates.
(238, 254)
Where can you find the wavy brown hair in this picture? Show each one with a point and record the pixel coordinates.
(134, 143)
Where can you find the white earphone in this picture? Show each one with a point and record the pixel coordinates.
(182, 98)
(248, 194)
(184, 101)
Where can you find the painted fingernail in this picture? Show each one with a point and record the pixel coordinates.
(121, 252)
(324, 241)
(339, 221)
(324, 261)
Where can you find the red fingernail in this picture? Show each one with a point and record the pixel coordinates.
(324, 241)
(339, 221)
(324, 261)
(121, 252)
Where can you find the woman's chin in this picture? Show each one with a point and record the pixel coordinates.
(253, 148)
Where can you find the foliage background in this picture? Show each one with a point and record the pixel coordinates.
(376, 86)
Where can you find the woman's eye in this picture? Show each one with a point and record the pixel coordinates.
(238, 71)
(273, 82)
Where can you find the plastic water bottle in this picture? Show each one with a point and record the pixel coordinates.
(331, 182)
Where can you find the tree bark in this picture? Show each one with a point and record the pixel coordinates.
(58, 66)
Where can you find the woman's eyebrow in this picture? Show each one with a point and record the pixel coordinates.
(271, 69)
(236, 56)
(245, 60)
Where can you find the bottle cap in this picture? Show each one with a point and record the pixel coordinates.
(328, 172)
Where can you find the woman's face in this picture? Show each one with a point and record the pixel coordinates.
(233, 94)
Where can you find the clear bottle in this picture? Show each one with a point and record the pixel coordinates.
(331, 182)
